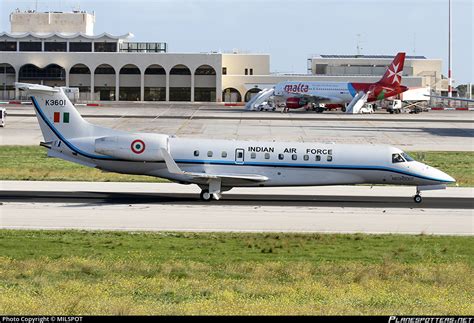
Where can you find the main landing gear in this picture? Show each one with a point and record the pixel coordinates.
(205, 196)
(213, 190)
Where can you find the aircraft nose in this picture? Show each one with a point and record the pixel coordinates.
(448, 178)
(436, 174)
(443, 177)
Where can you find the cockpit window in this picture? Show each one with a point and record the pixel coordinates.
(397, 158)
(407, 157)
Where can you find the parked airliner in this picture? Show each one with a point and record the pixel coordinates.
(217, 166)
(298, 94)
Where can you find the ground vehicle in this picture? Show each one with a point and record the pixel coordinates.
(265, 106)
(3, 114)
(395, 106)
(367, 108)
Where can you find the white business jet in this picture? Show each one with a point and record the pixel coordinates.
(217, 166)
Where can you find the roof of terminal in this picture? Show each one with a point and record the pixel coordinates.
(65, 35)
(369, 56)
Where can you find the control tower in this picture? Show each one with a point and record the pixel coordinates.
(52, 22)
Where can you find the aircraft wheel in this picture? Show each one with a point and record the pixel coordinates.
(205, 196)
(417, 198)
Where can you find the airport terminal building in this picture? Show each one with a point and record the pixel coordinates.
(60, 48)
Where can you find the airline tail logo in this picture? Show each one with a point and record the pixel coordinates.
(393, 75)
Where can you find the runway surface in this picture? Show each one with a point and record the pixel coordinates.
(174, 207)
(236, 199)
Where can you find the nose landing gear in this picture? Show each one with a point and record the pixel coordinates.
(417, 198)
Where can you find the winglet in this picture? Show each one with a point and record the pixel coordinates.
(170, 163)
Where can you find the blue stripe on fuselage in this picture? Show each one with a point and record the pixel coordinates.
(351, 89)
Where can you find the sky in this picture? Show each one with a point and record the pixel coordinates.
(290, 31)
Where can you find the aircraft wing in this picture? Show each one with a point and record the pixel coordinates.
(450, 98)
(174, 169)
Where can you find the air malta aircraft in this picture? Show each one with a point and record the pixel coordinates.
(298, 94)
(217, 166)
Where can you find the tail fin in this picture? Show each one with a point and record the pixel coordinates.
(57, 116)
(393, 75)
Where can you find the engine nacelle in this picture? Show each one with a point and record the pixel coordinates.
(295, 103)
(140, 146)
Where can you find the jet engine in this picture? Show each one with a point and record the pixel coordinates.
(136, 147)
(295, 103)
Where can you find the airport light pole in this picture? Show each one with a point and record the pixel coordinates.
(450, 49)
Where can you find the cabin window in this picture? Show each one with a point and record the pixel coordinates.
(267, 155)
(224, 154)
(318, 158)
(306, 157)
(294, 156)
(209, 153)
(397, 158)
(281, 156)
(253, 155)
(329, 158)
(196, 153)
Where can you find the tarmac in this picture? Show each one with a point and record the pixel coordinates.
(428, 131)
(174, 207)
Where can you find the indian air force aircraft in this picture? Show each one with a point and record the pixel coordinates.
(298, 94)
(217, 166)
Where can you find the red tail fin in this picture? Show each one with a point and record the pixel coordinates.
(393, 75)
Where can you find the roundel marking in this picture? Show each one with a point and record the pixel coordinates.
(138, 146)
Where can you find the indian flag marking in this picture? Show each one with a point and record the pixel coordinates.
(66, 117)
(56, 117)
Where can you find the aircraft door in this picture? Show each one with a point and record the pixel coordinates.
(239, 156)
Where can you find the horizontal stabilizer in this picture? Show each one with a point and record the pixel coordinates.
(36, 87)
(174, 169)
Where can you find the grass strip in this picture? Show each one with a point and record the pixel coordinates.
(120, 273)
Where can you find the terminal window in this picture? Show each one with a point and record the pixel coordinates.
(80, 47)
(8, 46)
(55, 46)
(33, 46)
(105, 47)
